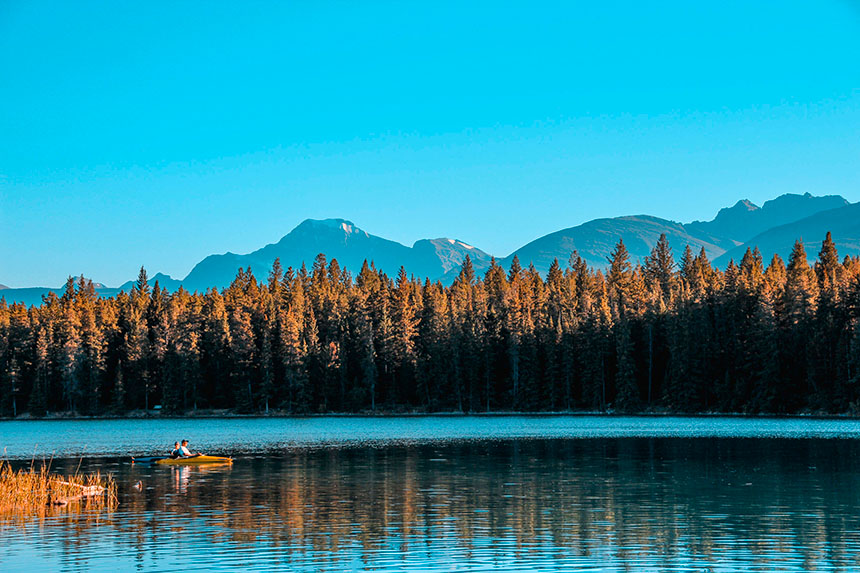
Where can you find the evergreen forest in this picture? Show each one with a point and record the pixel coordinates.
(667, 335)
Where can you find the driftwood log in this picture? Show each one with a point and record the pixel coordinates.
(83, 492)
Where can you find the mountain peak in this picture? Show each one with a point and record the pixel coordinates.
(445, 241)
(742, 208)
(450, 253)
(341, 228)
(96, 285)
(744, 205)
(344, 225)
(745, 219)
(791, 201)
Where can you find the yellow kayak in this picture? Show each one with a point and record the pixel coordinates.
(197, 460)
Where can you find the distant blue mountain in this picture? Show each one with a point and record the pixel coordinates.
(337, 239)
(596, 239)
(163, 281)
(773, 227)
(843, 222)
(728, 232)
(33, 295)
(745, 220)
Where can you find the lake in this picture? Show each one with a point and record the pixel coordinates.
(486, 493)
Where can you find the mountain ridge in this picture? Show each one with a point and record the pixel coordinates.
(842, 222)
(337, 239)
(595, 239)
(785, 218)
(744, 220)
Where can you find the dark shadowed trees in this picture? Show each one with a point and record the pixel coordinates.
(684, 337)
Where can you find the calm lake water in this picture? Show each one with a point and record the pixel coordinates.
(453, 494)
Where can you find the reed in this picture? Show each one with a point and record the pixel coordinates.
(36, 488)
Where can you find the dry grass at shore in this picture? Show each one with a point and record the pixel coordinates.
(32, 490)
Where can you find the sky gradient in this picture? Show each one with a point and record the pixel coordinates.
(157, 135)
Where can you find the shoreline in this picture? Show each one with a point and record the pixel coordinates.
(78, 438)
(226, 414)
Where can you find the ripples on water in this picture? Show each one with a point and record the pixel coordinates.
(576, 502)
(249, 435)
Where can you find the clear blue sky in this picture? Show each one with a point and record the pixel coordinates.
(140, 134)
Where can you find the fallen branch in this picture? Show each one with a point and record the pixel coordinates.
(27, 490)
(86, 490)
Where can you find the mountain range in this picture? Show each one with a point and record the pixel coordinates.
(342, 240)
(773, 227)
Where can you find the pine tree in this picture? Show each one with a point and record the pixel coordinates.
(294, 360)
(801, 289)
(514, 328)
(276, 276)
(800, 304)
(309, 377)
(467, 271)
(141, 286)
(404, 327)
(239, 298)
(90, 363)
(827, 268)
(659, 270)
(268, 347)
(752, 272)
(618, 280)
(68, 343)
(463, 344)
(686, 267)
(829, 330)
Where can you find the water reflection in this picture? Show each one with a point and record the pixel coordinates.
(613, 505)
(182, 475)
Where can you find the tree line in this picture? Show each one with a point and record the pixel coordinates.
(663, 335)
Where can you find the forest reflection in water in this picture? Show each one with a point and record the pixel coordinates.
(610, 504)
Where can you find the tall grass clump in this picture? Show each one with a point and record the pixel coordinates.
(32, 489)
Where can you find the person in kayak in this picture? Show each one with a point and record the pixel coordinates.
(175, 453)
(185, 453)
